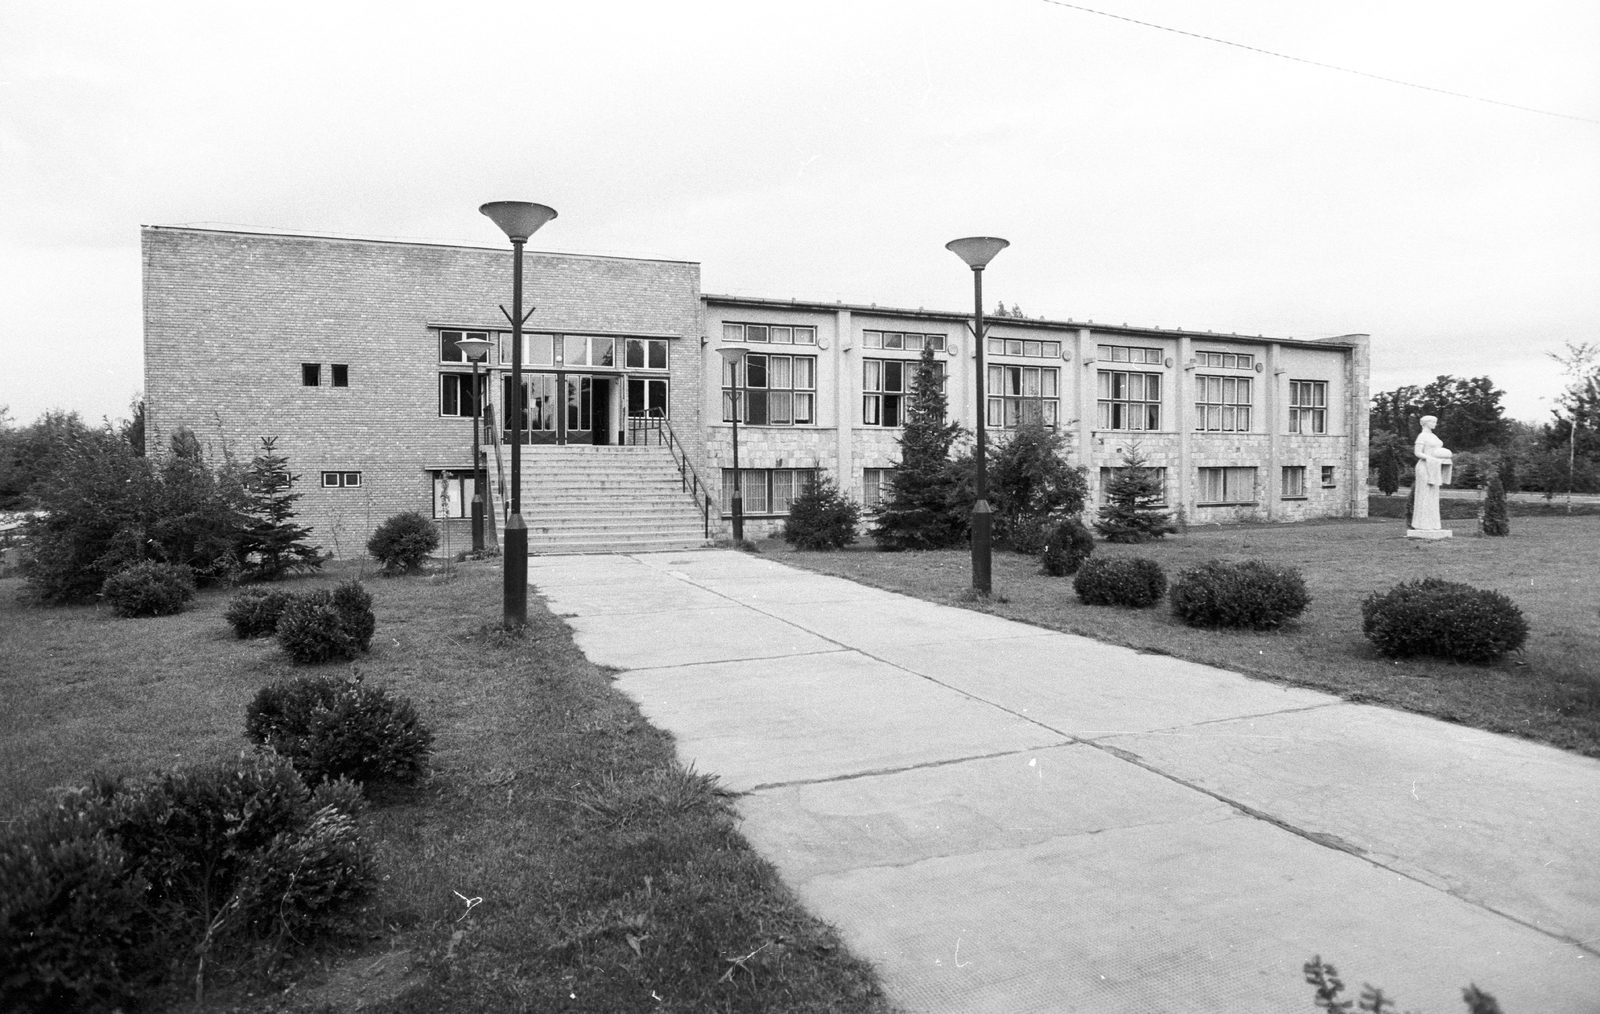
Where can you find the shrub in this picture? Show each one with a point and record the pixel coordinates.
(1130, 513)
(270, 542)
(74, 930)
(1067, 548)
(403, 542)
(1250, 593)
(329, 728)
(1444, 619)
(149, 589)
(1496, 520)
(822, 517)
(254, 612)
(1029, 535)
(323, 626)
(924, 507)
(1029, 478)
(1134, 581)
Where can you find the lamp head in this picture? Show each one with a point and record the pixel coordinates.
(732, 354)
(475, 349)
(977, 250)
(518, 219)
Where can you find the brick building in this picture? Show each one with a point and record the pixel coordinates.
(344, 350)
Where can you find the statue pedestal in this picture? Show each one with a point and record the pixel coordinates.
(1418, 533)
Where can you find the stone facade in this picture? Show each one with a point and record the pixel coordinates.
(230, 318)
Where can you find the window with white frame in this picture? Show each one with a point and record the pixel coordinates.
(771, 334)
(1025, 347)
(453, 490)
(1227, 485)
(1022, 394)
(1327, 477)
(903, 340)
(1222, 404)
(766, 490)
(778, 390)
(1308, 406)
(1294, 482)
(537, 349)
(876, 485)
(449, 352)
(646, 354)
(647, 396)
(1157, 473)
(1225, 360)
(341, 480)
(886, 389)
(455, 394)
(1128, 354)
(1129, 401)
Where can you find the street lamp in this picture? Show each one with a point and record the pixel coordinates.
(734, 357)
(978, 251)
(518, 220)
(476, 350)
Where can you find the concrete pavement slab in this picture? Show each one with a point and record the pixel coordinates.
(687, 636)
(570, 571)
(1502, 822)
(811, 588)
(643, 592)
(1088, 689)
(1190, 916)
(826, 715)
(897, 620)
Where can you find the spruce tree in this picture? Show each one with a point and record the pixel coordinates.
(922, 509)
(272, 544)
(1496, 519)
(1130, 513)
(1388, 473)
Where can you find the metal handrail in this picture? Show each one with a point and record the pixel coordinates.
(656, 420)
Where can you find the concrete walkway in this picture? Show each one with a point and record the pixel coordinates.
(1008, 819)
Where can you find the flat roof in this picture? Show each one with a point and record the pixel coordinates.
(1033, 322)
(334, 237)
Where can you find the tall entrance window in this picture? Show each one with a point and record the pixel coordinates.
(647, 396)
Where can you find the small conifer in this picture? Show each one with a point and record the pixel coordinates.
(1496, 520)
(273, 544)
(1130, 513)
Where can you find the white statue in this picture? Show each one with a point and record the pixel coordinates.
(1433, 471)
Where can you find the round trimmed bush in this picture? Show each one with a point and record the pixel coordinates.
(403, 542)
(1445, 619)
(1029, 535)
(822, 518)
(254, 612)
(329, 728)
(1068, 546)
(1250, 593)
(1134, 581)
(313, 631)
(149, 589)
(354, 605)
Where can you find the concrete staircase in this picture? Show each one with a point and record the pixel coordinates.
(586, 499)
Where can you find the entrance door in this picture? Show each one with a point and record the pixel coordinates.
(600, 409)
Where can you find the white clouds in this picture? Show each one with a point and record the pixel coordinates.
(829, 149)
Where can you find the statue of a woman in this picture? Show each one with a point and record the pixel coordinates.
(1433, 460)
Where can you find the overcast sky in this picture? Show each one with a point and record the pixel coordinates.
(828, 151)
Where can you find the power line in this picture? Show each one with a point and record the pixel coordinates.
(1325, 66)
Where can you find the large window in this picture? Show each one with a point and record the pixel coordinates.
(1294, 482)
(778, 390)
(1024, 347)
(1227, 486)
(1022, 394)
(1222, 404)
(538, 401)
(449, 352)
(1157, 473)
(455, 394)
(902, 340)
(647, 354)
(452, 493)
(875, 485)
(886, 389)
(647, 396)
(772, 334)
(1308, 406)
(1129, 401)
(766, 490)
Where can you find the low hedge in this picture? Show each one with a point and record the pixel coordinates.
(254, 612)
(149, 589)
(330, 728)
(1134, 581)
(1444, 619)
(1249, 593)
(1069, 544)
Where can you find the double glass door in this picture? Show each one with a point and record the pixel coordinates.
(573, 408)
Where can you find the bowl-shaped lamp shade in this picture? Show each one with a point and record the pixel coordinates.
(475, 349)
(518, 219)
(732, 354)
(977, 250)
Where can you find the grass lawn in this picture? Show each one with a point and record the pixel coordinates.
(610, 879)
(1549, 566)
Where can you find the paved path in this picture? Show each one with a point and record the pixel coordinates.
(1009, 819)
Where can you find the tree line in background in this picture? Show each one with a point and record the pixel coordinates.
(101, 506)
(1557, 457)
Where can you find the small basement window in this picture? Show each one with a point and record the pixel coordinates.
(341, 375)
(346, 480)
(310, 374)
(1327, 475)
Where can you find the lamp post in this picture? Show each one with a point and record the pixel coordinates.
(978, 251)
(476, 350)
(735, 359)
(518, 220)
